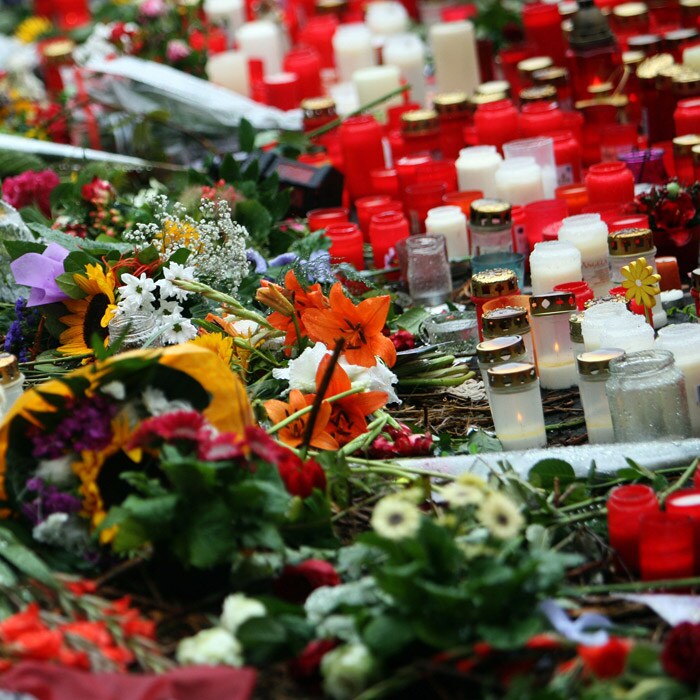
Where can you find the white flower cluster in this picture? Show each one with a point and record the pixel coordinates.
(217, 243)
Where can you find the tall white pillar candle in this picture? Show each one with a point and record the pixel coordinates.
(519, 181)
(375, 82)
(230, 70)
(407, 53)
(452, 224)
(231, 13)
(476, 170)
(352, 47)
(455, 57)
(552, 263)
(262, 39)
(629, 333)
(589, 233)
(386, 17)
(597, 317)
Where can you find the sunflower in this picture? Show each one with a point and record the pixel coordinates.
(91, 314)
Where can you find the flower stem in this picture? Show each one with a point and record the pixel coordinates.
(631, 586)
(367, 438)
(680, 483)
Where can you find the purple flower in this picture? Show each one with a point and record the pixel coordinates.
(281, 260)
(39, 271)
(257, 260)
(49, 500)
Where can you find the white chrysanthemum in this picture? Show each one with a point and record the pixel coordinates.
(500, 516)
(115, 389)
(136, 292)
(239, 608)
(62, 530)
(172, 272)
(212, 647)
(56, 471)
(157, 403)
(395, 518)
(458, 495)
(179, 330)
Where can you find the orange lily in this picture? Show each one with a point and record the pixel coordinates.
(348, 415)
(293, 434)
(302, 300)
(361, 327)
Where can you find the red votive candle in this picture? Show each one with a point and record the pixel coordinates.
(438, 171)
(666, 547)
(367, 207)
(542, 24)
(687, 116)
(282, 90)
(610, 182)
(496, 123)
(361, 144)
(385, 181)
(323, 218)
(346, 244)
(567, 156)
(70, 14)
(536, 118)
(626, 507)
(306, 63)
(619, 223)
(575, 196)
(454, 114)
(667, 267)
(687, 503)
(520, 244)
(551, 231)
(580, 290)
(385, 231)
(508, 59)
(407, 171)
(463, 200)
(419, 199)
(318, 33)
(541, 214)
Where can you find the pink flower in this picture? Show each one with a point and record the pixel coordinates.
(153, 8)
(177, 50)
(98, 191)
(31, 187)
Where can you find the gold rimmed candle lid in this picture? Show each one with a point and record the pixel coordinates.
(538, 93)
(318, 106)
(630, 241)
(575, 328)
(695, 279)
(597, 362)
(683, 145)
(420, 121)
(695, 151)
(512, 374)
(508, 320)
(552, 303)
(528, 66)
(554, 75)
(650, 43)
(9, 368)
(479, 99)
(686, 83)
(451, 102)
(490, 212)
(494, 87)
(504, 349)
(498, 282)
(58, 50)
(630, 10)
(649, 68)
(633, 58)
(668, 75)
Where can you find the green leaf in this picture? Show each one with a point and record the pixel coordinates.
(546, 471)
(7, 576)
(24, 559)
(229, 170)
(148, 255)
(16, 249)
(154, 512)
(412, 319)
(246, 136)
(131, 535)
(61, 193)
(387, 636)
(479, 441)
(255, 218)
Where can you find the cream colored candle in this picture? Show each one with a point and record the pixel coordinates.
(593, 372)
(262, 39)
(386, 17)
(691, 57)
(231, 13)
(476, 169)
(455, 57)
(230, 70)
(352, 47)
(630, 333)
(407, 53)
(552, 263)
(452, 224)
(519, 181)
(375, 82)
(589, 233)
(597, 317)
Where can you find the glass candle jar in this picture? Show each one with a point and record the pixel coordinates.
(451, 222)
(683, 340)
(346, 244)
(519, 181)
(576, 334)
(134, 331)
(647, 396)
(589, 233)
(626, 506)
(496, 122)
(385, 231)
(361, 145)
(683, 156)
(549, 316)
(476, 169)
(489, 285)
(541, 117)
(593, 372)
(686, 503)
(647, 166)
(454, 115)
(420, 199)
(666, 547)
(610, 182)
(490, 226)
(580, 290)
(11, 380)
(597, 317)
(540, 216)
(429, 279)
(305, 62)
(542, 25)
(509, 320)
(455, 332)
(499, 351)
(322, 218)
(367, 207)
(630, 332)
(552, 263)
(516, 406)
(420, 130)
(541, 148)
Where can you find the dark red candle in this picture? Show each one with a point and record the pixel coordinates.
(454, 114)
(687, 503)
(346, 244)
(361, 144)
(536, 118)
(575, 196)
(541, 214)
(385, 181)
(610, 182)
(306, 63)
(385, 230)
(318, 33)
(419, 199)
(666, 546)
(496, 123)
(420, 131)
(567, 156)
(373, 204)
(687, 116)
(542, 24)
(322, 218)
(282, 90)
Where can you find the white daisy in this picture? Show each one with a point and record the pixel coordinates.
(395, 518)
(458, 495)
(173, 272)
(137, 292)
(179, 330)
(500, 516)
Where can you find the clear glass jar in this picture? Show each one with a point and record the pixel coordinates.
(499, 351)
(456, 332)
(516, 406)
(491, 226)
(593, 373)
(135, 331)
(647, 397)
(429, 278)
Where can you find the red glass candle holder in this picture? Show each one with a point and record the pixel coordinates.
(407, 171)
(367, 207)
(385, 230)
(580, 290)
(508, 60)
(541, 214)
(463, 200)
(305, 62)
(575, 196)
(686, 503)
(346, 244)
(282, 90)
(687, 116)
(322, 218)
(666, 547)
(419, 199)
(318, 33)
(567, 156)
(667, 267)
(616, 139)
(496, 123)
(394, 114)
(361, 144)
(385, 181)
(610, 182)
(70, 14)
(537, 118)
(520, 243)
(626, 507)
(438, 171)
(542, 24)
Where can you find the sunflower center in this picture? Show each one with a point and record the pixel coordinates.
(92, 323)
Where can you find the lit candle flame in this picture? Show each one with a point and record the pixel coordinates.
(556, 347)
(519, 416)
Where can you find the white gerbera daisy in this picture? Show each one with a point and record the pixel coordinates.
(500, 516)
(458, 495)
(396, 518)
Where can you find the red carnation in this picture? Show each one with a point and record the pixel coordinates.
(606, 660)
(220, 447)
(306, 665)
(301, 478)
(681, 653)
(98, 191)
(178, 425)
(296, 582)
(31, 187)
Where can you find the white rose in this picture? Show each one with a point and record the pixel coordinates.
(212, 647)
(347, 671)
(238, 608)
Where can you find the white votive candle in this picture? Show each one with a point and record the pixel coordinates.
(597, 317)
(452, 224)
(541, 148)
(375, 82)
(262, 39)
(386, 17)
(407, 53)
(455, 57)
(230, 70)
(691, 57)
(589, 233)
(230, 13)
(630, 333)
(683, 340)
(476, 169)
(352, 47)
(516, 406)
(552, 263)
(519, 181)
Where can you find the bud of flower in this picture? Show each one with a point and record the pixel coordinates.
(210, 647)
(347, 671)
(238, 608)
(273, 297)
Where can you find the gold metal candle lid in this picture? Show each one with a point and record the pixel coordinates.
(512, 374)
(494, 283)
(503, 349)
(528, 66)
(318, 107)
(552, 304)
(575, 328)
(58, 51)
(554, 75)
(451, 102)
(683, 145)
(494, 87)
(597, 362)
(9, 369)
(490, 212)
(481, 99)
(695, 279)
(695, 150)
(645, 42)
(633, 58)
(629, 10)
(509, 320)
(419, 122)
(630, 241)
(686, 83)
(649, 69)
(539, 93)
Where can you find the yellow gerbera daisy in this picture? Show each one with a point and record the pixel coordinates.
(641, 282)
(32, 29)
(91, 314)
(218, 343)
